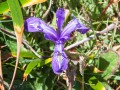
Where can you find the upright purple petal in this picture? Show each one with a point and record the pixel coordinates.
(37, 25)
(60, 16)
(72, 26)
(59, 61)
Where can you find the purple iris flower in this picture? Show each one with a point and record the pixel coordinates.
(59, 37)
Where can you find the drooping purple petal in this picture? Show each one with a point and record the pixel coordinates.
(82, 29)
(72, 26)
(60, 16)
(59, 61)
(37, 25)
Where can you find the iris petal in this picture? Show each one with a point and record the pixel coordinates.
(36, 25)
(82, 28)
(60, 16)
(72, 26)
(59, 61)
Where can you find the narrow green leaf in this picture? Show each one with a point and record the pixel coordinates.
(16, 12)
(30, 66)
(44, 62)
(17, 19)
(33, 64)
(27, 54)
(30, 2)
(4, 5)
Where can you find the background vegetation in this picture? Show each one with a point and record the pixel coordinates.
(97, 60)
